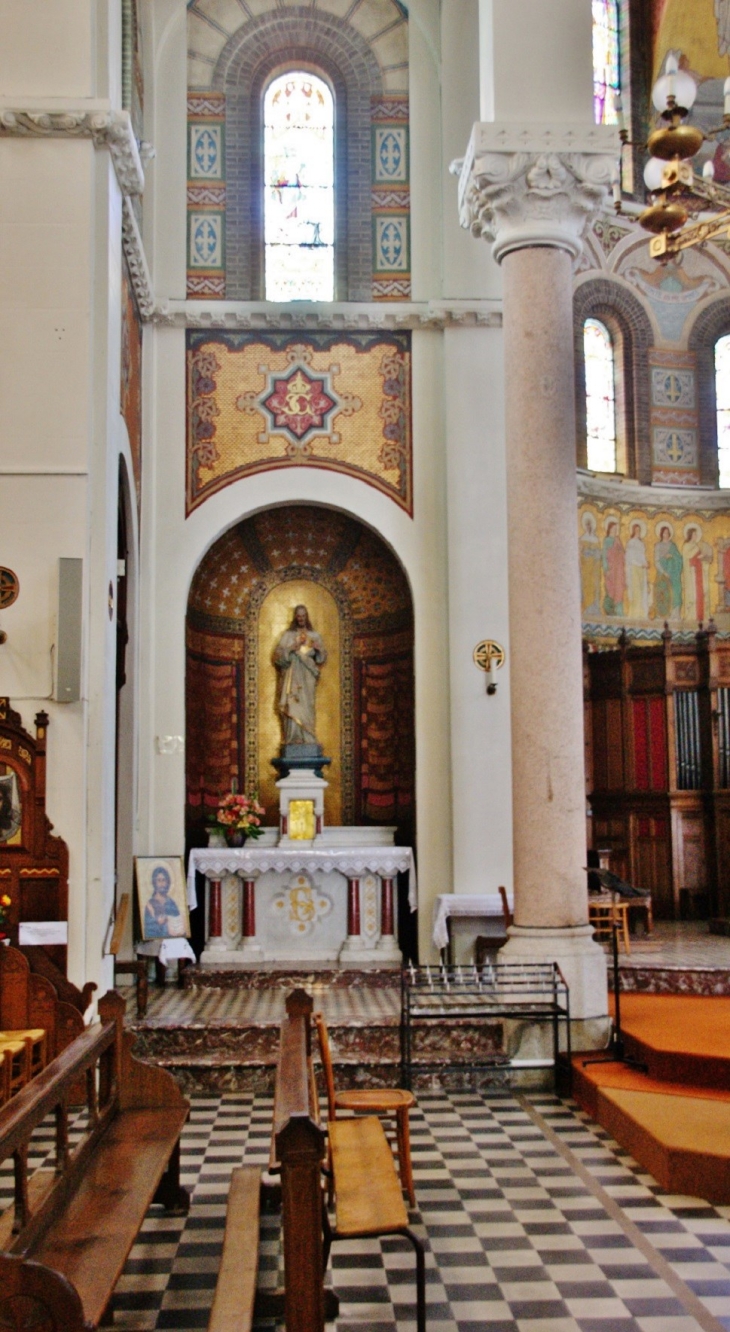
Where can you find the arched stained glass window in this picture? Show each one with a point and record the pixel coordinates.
(722, 394)
(606, 82)
(299, 208)
(600, 396)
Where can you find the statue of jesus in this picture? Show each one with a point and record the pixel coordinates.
(298, 656)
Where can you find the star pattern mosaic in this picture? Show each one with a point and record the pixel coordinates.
(534, 1221)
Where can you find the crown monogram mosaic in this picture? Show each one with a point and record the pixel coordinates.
(261, 401)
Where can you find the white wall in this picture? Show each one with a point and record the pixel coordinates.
(60, 242)
(481, 767)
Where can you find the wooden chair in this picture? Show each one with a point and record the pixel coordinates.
(485, 944)
(372, 1101)
(135, 966)
(601, 915)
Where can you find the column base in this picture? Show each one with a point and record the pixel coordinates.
(355, 951)
(581, 960)
(387, 949)
(250, 951)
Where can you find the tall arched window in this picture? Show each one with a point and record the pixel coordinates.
(606, 80)
(299, 208)
(722, 396)
(600, 396)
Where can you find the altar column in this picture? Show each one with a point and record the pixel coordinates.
(249, 948)
(531, 190)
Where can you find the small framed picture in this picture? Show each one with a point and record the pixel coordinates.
(163, 907)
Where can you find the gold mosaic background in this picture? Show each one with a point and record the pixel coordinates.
(230, 435)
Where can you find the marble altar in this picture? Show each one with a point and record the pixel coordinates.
(330, 900)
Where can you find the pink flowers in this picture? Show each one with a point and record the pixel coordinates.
(241, 812)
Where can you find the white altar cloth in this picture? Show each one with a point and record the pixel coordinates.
(352, 862)
(462, 904)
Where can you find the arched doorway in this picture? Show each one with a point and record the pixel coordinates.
(242, 596)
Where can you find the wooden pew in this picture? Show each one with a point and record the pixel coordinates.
(369, 1201)
(29, 1000)
(67, 1238)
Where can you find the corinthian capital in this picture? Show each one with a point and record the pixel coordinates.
(523, 185)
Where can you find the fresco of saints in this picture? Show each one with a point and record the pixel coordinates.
(614, 570)
(696, 561)
(668, 582)
(590, 566)
(298, 656)
(637, 574)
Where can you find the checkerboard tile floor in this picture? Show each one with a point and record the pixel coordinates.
(534, 1221)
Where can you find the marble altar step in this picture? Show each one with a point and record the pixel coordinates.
(225, 1038)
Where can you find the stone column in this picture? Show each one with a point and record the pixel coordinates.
(215, 916)
(249, 949)
(354, 944)
(387, 946)
(532, 191)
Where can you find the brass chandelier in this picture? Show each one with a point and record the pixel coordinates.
(677, 189)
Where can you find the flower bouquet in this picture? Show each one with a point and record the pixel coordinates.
(5, 905)
(239, 817)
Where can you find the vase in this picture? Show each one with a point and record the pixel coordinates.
(216, 837)
(235, 837)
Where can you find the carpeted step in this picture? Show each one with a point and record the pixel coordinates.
(683, 1141)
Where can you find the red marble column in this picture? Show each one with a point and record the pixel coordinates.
(215, 914)
(353, 908)
(249, 909)
(386, 907)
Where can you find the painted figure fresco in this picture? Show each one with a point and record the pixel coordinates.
(696, 561)
(614, 569)
(637, 573)
(298, 656)
(668, 581)
(162, 918)
(723, 577)
(590, 566)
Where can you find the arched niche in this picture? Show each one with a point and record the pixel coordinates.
(241, 598)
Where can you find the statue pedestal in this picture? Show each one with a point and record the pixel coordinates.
(301, 805)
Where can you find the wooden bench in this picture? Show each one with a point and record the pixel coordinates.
(67, 1238)
(29, 1001)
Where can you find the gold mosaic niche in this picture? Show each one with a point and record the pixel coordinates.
(275, 617)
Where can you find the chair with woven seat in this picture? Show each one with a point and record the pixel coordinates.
(371, 1101)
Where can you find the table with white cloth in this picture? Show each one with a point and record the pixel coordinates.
(310, 904)
(458, 906)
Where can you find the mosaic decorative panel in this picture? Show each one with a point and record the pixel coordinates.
(258, 401)
(390, 199)
(674, 421)
(206, 195)
(645, 566)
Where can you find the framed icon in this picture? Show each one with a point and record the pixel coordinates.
(162, 898)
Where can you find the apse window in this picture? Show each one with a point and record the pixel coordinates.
(299, 206)
(606, 85)
(600, 371)
(722, 394)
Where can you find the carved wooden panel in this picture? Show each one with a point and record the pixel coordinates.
(33, 861)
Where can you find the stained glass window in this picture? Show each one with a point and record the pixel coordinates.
(299, 208)
(722, 393)
(600, 396)
(606, 83)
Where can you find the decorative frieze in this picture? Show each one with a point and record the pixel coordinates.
(107, 128)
